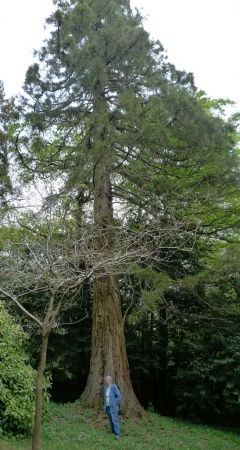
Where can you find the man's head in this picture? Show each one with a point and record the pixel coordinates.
(108, 380)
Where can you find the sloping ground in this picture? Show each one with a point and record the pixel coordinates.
(71, 429)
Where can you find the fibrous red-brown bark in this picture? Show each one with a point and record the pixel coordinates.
(108, 353)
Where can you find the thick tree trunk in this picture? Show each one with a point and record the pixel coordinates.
(108, 353)
(38, 400)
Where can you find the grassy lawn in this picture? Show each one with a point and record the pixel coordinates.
(70, 429)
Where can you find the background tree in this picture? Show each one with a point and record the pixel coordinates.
(182, 336)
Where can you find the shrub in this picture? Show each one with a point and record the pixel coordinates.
(17, 379)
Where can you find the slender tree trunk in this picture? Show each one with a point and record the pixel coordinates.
(160, 395)
(38, 400)
(108, 352)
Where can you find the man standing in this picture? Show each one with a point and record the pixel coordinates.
(112, 398)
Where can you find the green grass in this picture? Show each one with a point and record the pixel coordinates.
(70, 429)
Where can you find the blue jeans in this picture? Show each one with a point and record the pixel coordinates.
(113, 420)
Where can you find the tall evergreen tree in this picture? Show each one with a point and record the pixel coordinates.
(84, 99)
(105, 109)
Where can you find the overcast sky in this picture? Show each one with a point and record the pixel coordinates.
(200, 36)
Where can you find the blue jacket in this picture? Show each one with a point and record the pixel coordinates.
(115, 397)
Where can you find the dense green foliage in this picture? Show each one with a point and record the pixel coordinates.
(184, 340)
(17, 379)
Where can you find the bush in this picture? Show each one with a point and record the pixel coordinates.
(17, 379)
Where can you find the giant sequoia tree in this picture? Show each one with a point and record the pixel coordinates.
(124, 130)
